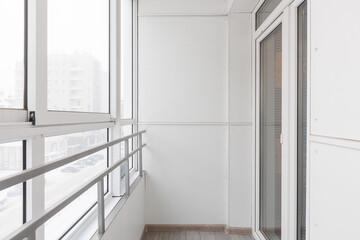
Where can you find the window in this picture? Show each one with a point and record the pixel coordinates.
(125, 131)
(270, 132)
(60, 182)
(265, 10)
(78, 55)
(59, 225)
(302, 120)
(12, 64)
(126, 59)
(74, 87)
(11, 200)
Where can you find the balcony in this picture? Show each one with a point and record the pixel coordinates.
(199, 120)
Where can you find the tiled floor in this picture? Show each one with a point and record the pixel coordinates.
(190, 235)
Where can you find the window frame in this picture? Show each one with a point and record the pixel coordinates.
(38, 76)
(24, 191)
(260, 128)
(270, 19)
(286, 13)
(108, 193)
(257, 12)
(281, 20)
(11, 115)
(131, 120)
(15, 125)
(293, 9)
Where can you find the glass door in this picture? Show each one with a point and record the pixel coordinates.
(270, 128)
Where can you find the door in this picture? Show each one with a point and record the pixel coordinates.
(270, 129)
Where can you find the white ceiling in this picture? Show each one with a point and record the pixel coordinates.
(243, 5)
(195, 6)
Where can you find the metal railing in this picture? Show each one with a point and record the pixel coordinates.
(28, 230)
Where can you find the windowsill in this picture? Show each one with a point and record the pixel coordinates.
(88, 226)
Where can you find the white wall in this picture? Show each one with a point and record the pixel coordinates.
(129, 223)
(335, 65)
(183, 105)
(197, 111)
(335, 116)
(334, 192)
(186, 174)
(183, 69)
(240, 120)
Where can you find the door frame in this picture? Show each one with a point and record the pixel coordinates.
(286, 15)
(281, 20)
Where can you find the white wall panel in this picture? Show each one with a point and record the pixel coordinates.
(129, 223)
(240, 176)
(240, 67)
(182, 7)
(334, 192)
(186, 180)
(230, 4)
(335, 71)
(183, 69)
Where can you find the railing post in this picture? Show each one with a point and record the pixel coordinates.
(101, 207)
(140, 157)
(127, 177)
(32, 236)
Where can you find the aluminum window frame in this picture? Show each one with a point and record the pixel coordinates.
(11, 115)
(258, 11)
(24, 191)
(256, 208)
(293, 8)
(15, 125)
(37, 75)
(269, 20)
(286, 12)
(134, 82)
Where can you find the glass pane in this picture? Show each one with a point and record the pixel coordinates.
(270, 131)
(12, 54)
(126, 59)
(265, 10)
(60, 182)
(302, 120)
(78, 55)
(11, 199)
(63, 221)
(125, 131)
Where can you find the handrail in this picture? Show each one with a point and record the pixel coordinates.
(33, 224)
(30, 173)
(29, 228)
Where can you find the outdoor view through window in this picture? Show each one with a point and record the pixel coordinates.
(11, 199)
(12, 54)
(78, 55)
(61, 182)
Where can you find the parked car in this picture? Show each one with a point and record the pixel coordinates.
(99, 156)
(90, 160)
(79, 164)
(15, 191)
(70, 169)
(122, 171)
